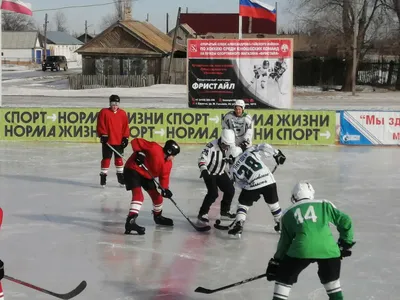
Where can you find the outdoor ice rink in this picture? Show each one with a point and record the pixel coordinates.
(60, 227)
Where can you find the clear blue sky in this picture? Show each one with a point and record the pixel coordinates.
(157, 10)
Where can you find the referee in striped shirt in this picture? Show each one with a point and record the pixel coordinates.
(212, 164)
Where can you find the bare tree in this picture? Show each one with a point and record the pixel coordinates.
(339, 17)
(393, 6)
(60, 21)
(16, 22)
(114, 16)
(118, 13)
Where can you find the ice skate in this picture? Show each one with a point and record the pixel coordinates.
(226, 219)
(131, 225)
(103, 179)
(203, 220)
(121, 179)
(159, 219)
(237, 229)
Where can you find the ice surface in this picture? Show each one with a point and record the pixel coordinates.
(61, 227)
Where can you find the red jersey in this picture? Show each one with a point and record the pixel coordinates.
(113, 124)
(154, 161)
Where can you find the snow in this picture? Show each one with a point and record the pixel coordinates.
(73, 229)
(55, 85)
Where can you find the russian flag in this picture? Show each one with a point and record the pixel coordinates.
(17, 6)
(257, 9)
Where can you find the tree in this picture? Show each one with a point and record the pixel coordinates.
(60, 21)
(339, 17)
(16, 22)
(393, 6)
(117, 14)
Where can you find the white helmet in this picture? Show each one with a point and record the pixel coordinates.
(240, 103)
(234, 153)
(302, 190)
(228, 137)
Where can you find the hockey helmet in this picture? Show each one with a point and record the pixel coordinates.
(239, 103)
(115, 98)
(233, 153)
(228, 137)
(302, 190)
(265, 64)
(171, 148)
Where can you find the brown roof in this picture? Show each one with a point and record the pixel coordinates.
(118, 39)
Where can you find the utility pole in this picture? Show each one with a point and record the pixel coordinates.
(355, 38)
(167, 25)
(178, 16)
(85, 31)
(45, 37)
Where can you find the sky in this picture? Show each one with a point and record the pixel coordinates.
(157, 10)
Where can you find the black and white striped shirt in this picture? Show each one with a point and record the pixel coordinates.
(213, 159)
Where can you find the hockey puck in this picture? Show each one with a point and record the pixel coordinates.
(218, 222)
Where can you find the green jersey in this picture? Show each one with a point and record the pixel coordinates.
(305, 231)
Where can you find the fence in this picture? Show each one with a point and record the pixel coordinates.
(178, 70)
(331, 72)
(78, 82)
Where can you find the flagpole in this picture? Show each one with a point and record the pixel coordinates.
(276, 21)
(240, 24)
(1, 57)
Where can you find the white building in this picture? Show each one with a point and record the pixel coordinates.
(20, 47)
(61, 43)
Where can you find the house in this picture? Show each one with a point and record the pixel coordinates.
(203, 23)
(183, 33)
(61, 43)
(84, 38)
(128, 47)
(21, 47)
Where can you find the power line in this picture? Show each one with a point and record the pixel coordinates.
(76, 6)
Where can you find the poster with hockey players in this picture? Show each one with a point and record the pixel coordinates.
(258, 71)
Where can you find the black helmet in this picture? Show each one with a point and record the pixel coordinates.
(171, 148)
(115, 98)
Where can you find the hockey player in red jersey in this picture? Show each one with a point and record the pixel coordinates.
(113, 129)
(158, 160)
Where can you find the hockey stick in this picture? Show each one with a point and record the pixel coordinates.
(198, 228)
(115, 150)
(208, 291)
(76, 291)
(218, 225)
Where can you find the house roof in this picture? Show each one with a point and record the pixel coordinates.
(225, 22)
(121, 38)
(186, 28)
(18, 39)
(61, 38)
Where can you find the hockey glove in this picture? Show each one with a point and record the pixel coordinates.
(166, 193)
(140, 156)
(104, 139)
(244, 145)
(125, 142)
(279, 158)
(204, 174)
(1, 270)
(272, 269)
(345, 248)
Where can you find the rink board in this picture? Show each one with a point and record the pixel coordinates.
(285, 127)
(280, 127)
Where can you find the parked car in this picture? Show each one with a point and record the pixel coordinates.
(55, 62)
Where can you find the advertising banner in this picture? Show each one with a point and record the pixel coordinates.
(258, 71)
(370, 128)
(183, 125)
